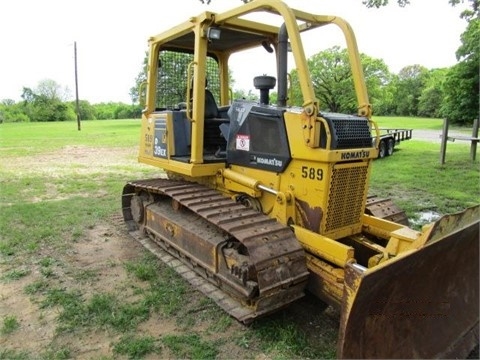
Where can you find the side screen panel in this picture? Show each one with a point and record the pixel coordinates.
(257, 137)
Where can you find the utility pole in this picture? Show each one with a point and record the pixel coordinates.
(76, 88)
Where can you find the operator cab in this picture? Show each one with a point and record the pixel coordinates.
(175, 97)
(192, 107)
(198, 116)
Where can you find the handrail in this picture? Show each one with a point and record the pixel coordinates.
(189, 89)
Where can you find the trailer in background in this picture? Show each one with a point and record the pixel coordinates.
(389, 138)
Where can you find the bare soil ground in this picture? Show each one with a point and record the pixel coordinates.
(101, 252)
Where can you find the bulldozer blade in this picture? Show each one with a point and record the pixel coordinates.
(421, 304)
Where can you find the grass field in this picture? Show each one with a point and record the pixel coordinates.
(75, 286)
(400, 122)
(417, 181)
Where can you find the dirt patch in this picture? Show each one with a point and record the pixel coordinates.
(76, 159)
(92, 264)
(35, 324)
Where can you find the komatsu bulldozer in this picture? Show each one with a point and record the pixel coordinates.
(266, 200)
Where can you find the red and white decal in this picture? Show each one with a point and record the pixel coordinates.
(243, 142)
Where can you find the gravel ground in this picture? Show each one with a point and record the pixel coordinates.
(433, 135)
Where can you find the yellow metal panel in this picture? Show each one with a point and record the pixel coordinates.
(266, 178)
(309, 178)
(323, 247)
(192, 170)
(346, 198)
(379, 227)
(325, 281)
(198, 121)
(147, 130)
(400, 238)
(294, 124)
(180, 29)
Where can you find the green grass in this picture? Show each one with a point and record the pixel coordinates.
(57, 353)
(190, 346)
(167, 293)
(9, 354)
(401, 122)
(145, 270)
(46, 212)
(414, 178)
(23, 139)
(53, 223)
(9, 325)
(15, 274)
(286, 340)
(36, 287)
(135, 347)
(102, 310)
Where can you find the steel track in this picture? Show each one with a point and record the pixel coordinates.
(192, 227)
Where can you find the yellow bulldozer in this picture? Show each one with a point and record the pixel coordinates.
(264, 200)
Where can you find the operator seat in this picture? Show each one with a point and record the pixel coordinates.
(211, 108)
(216, 127)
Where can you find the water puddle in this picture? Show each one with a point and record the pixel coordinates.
(425, 217)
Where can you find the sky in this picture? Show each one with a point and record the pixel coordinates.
(37, 39)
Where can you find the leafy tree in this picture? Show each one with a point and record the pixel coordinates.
(52, 90)
(7, 102)
(86, 110)
(241, 94)
(332, 79)
(139, 80)
(461, 104)
(105, 111)
(431, 97)
(429, 102)
(124, 111)
(380, 3)
(471, 13)
(385, 103)
(12, 112)
(112, 110)
(411, 81)
(379, 82)
(46, 103)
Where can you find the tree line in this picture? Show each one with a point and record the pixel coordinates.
(451, 93)
(49, 101)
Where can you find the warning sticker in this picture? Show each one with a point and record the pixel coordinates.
(243, 142)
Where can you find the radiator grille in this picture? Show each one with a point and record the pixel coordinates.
(352, 133)
(345, 199)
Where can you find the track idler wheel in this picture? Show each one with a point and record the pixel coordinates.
(137, 206)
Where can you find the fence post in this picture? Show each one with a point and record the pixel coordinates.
(473, 145)
(443, 146)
